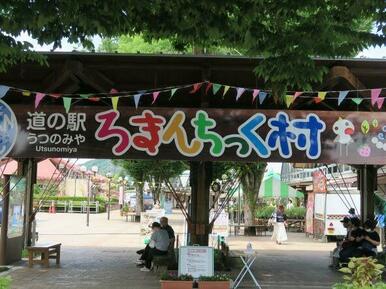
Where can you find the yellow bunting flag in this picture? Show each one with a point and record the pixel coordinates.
(289, 100)
(114, 101)
(226, 88)
(26, 93)
(321, 96)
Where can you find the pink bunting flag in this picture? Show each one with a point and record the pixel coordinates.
(196, 87)
(208, 86)
(297, 93)
(375, 95)
(254, 94)
(380, 101)
(240, 91)
(38, 98)
(113, 90)
(55, 95)
(155, 96)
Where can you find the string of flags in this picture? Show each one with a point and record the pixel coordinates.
(258, 95)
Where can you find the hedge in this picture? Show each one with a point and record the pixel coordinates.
(294, 213)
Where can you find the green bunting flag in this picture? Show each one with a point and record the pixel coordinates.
(216, 87)
(357, 100)
(114, 101)
(67, 103)
(85, 96)
(26, 93)
(172, 92)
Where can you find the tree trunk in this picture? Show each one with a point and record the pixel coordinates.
(251, 177)
(139, 197)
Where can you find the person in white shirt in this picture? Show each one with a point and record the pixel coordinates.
(290, 205)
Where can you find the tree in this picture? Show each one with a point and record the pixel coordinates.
(151, 171)
(286, 33)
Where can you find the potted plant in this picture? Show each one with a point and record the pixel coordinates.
(362, 273)
(214, 282)
(173, 281)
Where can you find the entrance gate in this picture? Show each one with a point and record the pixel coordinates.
(148, 124)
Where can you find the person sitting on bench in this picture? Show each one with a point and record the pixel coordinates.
(158, 246)
(370, 239)
(165, 226)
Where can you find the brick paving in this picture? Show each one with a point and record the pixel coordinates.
(102, 256)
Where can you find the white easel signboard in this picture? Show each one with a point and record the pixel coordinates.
(196, 261)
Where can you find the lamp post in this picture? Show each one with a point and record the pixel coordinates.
(109, 176)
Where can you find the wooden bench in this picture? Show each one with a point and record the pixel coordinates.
(47, 251)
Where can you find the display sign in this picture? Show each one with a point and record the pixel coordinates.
(198, 134)
(16, 206)
(196, 261)
(310, 213)
(221, 224)
(319, 182)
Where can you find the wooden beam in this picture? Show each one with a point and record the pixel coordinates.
(337, 73)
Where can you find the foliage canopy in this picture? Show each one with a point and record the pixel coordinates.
(286, 33)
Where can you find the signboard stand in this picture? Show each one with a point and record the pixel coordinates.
(248, 261)
(196, 261)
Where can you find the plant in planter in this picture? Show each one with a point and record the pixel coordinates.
(362, 273)
(214, 282)
(173, 281)
(5, 282)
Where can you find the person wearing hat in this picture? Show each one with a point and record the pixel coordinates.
(346, 222)
(158, 246)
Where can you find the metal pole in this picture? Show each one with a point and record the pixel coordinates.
(108, 206)
(88, 202)
(239, 210)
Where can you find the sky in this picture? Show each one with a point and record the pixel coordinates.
(375, 52)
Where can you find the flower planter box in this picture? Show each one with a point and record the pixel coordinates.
(214, 284)
(169, 284)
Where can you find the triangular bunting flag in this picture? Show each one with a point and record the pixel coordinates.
(262, 96)
(113, 90)
(226, 88)
(3, 90)
(342, 96)
(86, 96)
(380, 101)
(374, 95)
(288, 100)
(38, 98)
(216, 88)
(155, 96)
(94, 98)
(254, 94)
(357, 100)
(208, 86)
(114, 101)
(297, 93)
(240, 92)
(137, 97)
(55, 95)
(196, 87)
(67, 103)
(321, 96)
(172, 92)
(26, 93)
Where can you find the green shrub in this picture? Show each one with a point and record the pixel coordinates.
(5, 282)
(217, 277)
(362, 273)
(175, 277)
(296, 213)
(265, 212)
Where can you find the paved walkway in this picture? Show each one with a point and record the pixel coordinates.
(102, 256)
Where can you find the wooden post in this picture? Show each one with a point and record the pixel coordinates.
(367, 181)
(4, 222)
(200, 176)
(30, 173)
